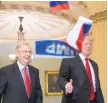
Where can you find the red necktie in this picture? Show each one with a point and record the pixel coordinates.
(27, 82)
(92, 94)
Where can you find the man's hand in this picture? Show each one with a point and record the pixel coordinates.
(69, 87)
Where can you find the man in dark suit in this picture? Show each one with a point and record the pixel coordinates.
(19, 82)
(78, 77)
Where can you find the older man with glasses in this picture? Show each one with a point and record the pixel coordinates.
(19, 82)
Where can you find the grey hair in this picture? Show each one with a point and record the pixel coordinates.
(19, 45)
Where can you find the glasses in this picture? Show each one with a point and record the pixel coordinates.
(26, 52)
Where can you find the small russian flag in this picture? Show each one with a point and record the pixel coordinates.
(58, 5)
(79, 31)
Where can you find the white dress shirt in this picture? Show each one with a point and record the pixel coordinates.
(91, 68)
(21, 68)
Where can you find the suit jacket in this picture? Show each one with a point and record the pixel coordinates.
(12, 88)
(73, 68)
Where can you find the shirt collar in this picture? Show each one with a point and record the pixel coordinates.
(21, 67)
(82, 57)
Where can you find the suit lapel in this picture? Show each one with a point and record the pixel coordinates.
(19, 77)
(81, 65)
(32, 78)
(95, 72)
(93, 65)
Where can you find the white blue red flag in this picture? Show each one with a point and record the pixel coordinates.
(59, 5)
(79, 31)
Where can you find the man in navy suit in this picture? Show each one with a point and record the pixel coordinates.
(79, 85)
(19, 82)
